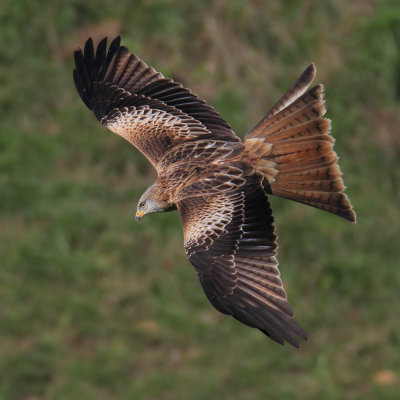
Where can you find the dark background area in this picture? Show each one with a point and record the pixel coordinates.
(95, 306)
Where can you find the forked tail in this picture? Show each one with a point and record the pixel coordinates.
(292, 147)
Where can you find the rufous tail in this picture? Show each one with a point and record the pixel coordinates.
(293, 148)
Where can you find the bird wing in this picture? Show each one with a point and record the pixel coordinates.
(230, 240)
(133, 100)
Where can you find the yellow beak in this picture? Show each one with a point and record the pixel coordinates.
(139, 215)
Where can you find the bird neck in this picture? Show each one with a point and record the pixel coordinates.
(161, 196)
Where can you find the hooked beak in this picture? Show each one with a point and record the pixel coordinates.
(139, 215)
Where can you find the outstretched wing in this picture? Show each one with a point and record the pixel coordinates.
(133, 100)
(230, 240)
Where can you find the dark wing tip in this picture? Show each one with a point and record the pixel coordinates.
(290, 334)
(114, 47)
(89, 49)
(91, 66)
(101, 53)
(116, 43)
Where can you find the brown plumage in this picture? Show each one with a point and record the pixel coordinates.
(217, 182)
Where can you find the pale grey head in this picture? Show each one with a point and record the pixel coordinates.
(151, 201)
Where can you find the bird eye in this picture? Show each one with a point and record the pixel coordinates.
(141, 205)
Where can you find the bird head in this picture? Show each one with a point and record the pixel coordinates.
(150, 201)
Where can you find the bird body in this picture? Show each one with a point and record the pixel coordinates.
(217, 182)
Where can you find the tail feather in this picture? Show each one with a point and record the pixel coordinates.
(291, 95)
(282, 122)
(297, 151)
(300, 151)
(305, 131)
(334, 199)
(314, 186)
(303, 165)
(331, 173)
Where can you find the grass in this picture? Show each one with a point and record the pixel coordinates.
(95, 306)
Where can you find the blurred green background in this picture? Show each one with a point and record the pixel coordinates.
(95, 306)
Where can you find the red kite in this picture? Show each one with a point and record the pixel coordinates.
(218, 182)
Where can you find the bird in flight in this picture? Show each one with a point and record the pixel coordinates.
(219, 183)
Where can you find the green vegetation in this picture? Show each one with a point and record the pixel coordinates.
(95, 306)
